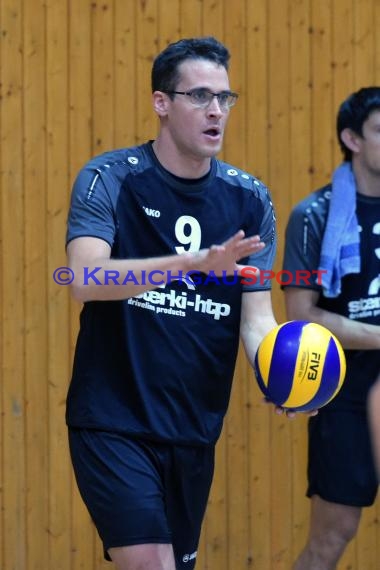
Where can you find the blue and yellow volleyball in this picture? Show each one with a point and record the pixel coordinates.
(300, 366)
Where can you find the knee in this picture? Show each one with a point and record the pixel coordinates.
(337, 536)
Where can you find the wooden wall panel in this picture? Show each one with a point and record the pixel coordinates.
(299, 167)
(278, 49)
(255, 100)
(14, 552)
(82, 533)
(36, 308)
(75, 81)
(57, 173)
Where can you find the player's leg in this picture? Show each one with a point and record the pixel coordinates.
(188, 480)
(374, 419)
(146, 556)
(342, 480)
(332, 526)
(122, 485)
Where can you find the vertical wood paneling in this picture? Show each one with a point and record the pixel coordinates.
(36, 433)
(322, 114)
(14, 554)
(80, 148)
(146, 29)
(168, 29)
(364, 43)
(2, 299)
(190, 18)
(75, 80)
(125, 93)
(254, 97)
(103, 75)
(376, 53)
(279, 178)
(236, 425)
(57, 173)
(299, 166)
(342, 12)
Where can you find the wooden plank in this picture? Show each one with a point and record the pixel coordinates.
(103, 76)
(212, 18)
(376, 23)
(342, 56)
(322, 118)
(214, 538)
(367, 540)
(279, 181)
(255, 100)
(125, 73)
(168, 23)
(2, 401)
(364, 43)
(239, 551)
(259, 481)
(255, 97)
(14, 553)
(35, 286)
(234, 144)
(58, 346)
(190, 18)
(300, 183)
(146, 51)
(236, 433)
(80, 105)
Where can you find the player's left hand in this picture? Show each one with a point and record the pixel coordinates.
(291, 414)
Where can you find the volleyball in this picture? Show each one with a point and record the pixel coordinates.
(300, 366)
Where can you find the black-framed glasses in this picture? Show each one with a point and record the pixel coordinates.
(201, 97)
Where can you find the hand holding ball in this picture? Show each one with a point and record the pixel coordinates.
(300, 366)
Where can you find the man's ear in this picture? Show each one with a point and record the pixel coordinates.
(351, 140)
(160, 103)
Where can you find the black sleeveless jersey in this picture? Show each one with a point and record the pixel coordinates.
(160, 365)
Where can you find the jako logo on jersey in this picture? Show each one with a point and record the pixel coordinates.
(151, 212)
(188, 557)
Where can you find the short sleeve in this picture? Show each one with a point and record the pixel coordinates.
(265, 258)
(91, 213)
(301, 252)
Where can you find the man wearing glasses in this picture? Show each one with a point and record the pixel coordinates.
(157, 237)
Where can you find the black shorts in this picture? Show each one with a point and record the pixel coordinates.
(340, 466)
(140, 492)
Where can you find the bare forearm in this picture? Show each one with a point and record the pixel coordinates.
(257, 320)
(115, 279)
(352, 334)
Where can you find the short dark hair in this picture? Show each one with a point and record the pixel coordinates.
(165, 74)
(354, 111)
